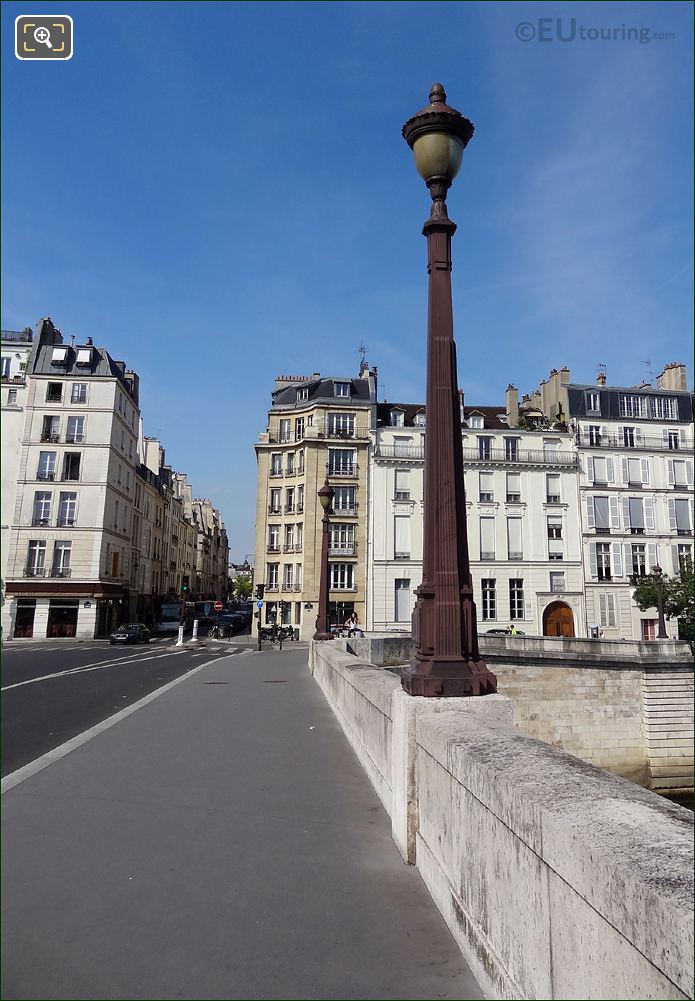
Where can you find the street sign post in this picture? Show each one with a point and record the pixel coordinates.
(259, 604)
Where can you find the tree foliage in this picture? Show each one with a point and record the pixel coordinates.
(678, 596)
(242, 588)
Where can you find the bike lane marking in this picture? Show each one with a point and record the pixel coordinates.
(99, 665)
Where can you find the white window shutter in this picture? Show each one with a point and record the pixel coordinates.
(626, 512)
(628, 558)
(638, 437)
(626, 470)
(611, 609)
(674, 558)
(604, 434)
(649, 520)
(614, 509)
(617, 559)
(590, 515)
(671, 514)
(689, 473)
(602, 611)
(652, 556)
(664, 437)
(645, 470)
(671, 473)
(590, 468)
(593, 562)
(610, 474)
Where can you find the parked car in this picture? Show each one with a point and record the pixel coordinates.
(131, 632)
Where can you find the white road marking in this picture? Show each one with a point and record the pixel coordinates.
(99, 665)
(26, 771)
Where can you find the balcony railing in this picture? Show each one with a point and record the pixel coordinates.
(557, 585)
(289, 508)
(350, 469)
(531, 457)
(272, 587)
(66, 522)
(40, 522)
(21, 336)
(319, 429)
(399, 452)
(401, 556)
(45, 476)
(297, 587)
(75, 439)
(50, 436)
(487, 556)
(34, 571)
(516, 556)
(647, 443)
(288, 547)
(344, 512)
(300, 507)
(273, 547)
(60, 572)
(342, 548)
(274, 510)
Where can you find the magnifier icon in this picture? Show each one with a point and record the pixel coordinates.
(43, 35)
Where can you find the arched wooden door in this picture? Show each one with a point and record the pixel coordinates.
(558, 620)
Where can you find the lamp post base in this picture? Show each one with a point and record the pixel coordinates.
(448, 679)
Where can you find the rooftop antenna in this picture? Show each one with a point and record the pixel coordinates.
(363, 353)
(648, 365)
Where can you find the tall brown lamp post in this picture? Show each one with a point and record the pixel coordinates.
(447, 661)
(658, 574)
(323, 622)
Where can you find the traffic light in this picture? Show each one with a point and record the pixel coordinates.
(185, 584)
(260, 588)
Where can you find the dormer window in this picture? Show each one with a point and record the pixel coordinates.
(420, 420)
(475, 422)
(303, 394)
(59, 356)
(342, 389)
(84, 356)
(397, 418)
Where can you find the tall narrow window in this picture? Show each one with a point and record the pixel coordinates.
(285, 432)
(42, 508)
(401, 537)
(75, 432)
(36, 558)
(513, 488)
(402, 599)
(487, 487)
(552, 486)
(300, 498)
(402, 485)
(276, 464)
(514, 546)
(61, 559)
(79, 392)
(484, 448)
(341, 425)
(67, 511)
(487, 538)
(516, 598)
(511, 449)
(47, 466)
(489, 603)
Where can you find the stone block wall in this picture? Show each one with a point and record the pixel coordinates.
(557, 879)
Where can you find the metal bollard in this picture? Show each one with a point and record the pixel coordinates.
(194, 637)
(179, 641)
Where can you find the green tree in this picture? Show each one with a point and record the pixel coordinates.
(678, 595)
(242, 588)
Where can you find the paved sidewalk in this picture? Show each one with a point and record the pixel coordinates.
(220, 842)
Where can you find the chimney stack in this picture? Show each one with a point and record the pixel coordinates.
(511, 401)
(673, 377)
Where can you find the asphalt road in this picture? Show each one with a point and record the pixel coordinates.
(52, 691)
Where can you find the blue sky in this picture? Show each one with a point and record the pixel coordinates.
(219, 193)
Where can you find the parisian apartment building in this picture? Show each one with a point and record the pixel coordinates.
(318, 431)
(95, 529)
(570, 492)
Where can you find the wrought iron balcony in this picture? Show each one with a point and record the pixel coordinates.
(66, 522)
(40, 522)
(344, 512)
(401, 556)
(272, 587)
(30, 571)
(516, 556)
(273, 547)
(472, 456)
(45, 476)
(49, 436)
(60, 572)
(643, 443)
(347, 470)
(487, 556)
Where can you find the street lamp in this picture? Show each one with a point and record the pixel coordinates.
(657, 573)
(323, 622)
(447, 661)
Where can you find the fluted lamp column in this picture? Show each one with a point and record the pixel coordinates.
(446, 660)
(323, 622)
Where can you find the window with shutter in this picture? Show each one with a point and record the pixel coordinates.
(617, 560)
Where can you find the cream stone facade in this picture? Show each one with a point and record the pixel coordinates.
(100, 530)
(522, 516)
(16, 348)
(318, 429)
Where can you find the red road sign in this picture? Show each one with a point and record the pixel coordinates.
(218, 606)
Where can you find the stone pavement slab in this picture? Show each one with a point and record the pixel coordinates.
(220, 842)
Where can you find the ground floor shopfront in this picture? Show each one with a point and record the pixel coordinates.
(64, 611)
